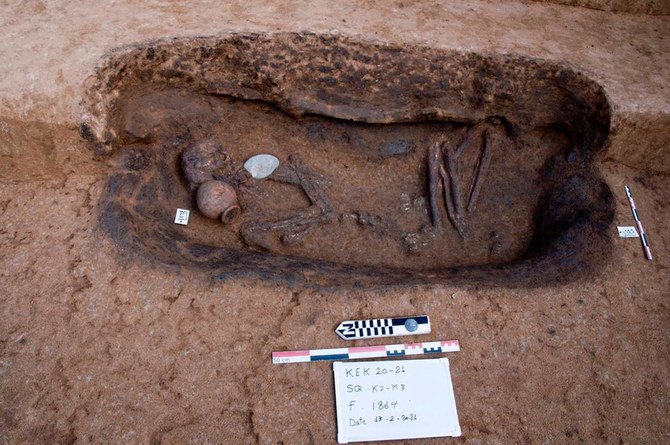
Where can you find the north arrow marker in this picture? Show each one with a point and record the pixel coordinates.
(383, 327)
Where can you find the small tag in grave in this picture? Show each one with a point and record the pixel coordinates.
(627, 232)
(182, 217)
(398, 399)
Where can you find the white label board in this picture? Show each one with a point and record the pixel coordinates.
(627, 232)
(397, 399)
(181, 217)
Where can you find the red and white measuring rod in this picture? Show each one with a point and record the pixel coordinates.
(399, 350)
(636, 216)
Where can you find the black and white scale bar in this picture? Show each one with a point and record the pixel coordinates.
(383, 327)
(638, 223)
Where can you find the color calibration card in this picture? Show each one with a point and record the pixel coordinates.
(398, 399)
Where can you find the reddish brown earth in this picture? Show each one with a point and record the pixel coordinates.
(97, 348)
(98, 345)
(378, 203)
(654, 7)
(493, 155)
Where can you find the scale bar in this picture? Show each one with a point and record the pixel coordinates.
(638, 223)
(358, 352)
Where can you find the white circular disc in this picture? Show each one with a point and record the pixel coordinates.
(261, 166)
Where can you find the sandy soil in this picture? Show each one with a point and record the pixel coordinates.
(98, 347)
(654, 7)
(378, 206)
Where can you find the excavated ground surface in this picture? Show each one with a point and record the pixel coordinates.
(373, 176)
(102, 346)
(659, 7)
(429, 166)
(99, 348)
(373, 179)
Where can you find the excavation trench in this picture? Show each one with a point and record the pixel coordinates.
(398, 165)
